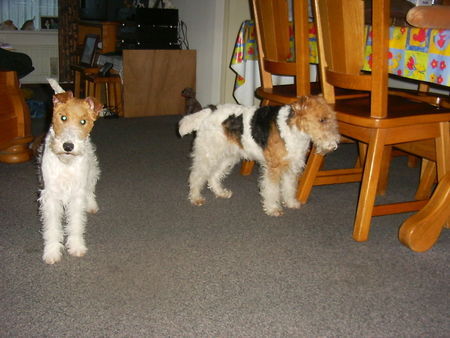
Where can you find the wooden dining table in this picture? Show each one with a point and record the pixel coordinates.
(419, 54)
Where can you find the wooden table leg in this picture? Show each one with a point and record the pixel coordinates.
(420, 231)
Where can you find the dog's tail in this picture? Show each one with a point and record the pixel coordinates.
(55, 85)
(192, 122)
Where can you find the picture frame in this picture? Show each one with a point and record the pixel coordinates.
(90, 47)
(49, 22)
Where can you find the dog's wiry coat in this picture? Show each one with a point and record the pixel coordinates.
(278, 137)
(69, 172)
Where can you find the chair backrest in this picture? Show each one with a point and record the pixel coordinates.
(341, 37)
(272, 31)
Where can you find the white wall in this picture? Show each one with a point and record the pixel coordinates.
(212, 27)
(204, 20)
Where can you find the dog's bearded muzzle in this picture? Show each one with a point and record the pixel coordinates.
(326, 147)
(68, 144)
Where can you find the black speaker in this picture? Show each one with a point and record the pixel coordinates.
(152, 28)
(157, 16)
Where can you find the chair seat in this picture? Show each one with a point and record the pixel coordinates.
(284, 94)
(402, 112)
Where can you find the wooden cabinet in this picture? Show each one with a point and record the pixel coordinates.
(153, 81)
(106, 30)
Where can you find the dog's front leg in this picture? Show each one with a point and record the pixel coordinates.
(270, 191)
(288, 189)
(76, 221)
(91, 202)
(51, 211)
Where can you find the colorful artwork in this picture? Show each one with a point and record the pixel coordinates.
(417, 53)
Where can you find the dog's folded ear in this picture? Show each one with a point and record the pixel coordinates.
(299, 105)
(62, 97)
(95, 106)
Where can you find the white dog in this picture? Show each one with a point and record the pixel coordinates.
(69, 172)
(278, 137)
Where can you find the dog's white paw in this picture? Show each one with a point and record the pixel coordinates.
(76, 246)
(225, 193)
(274, 212)
(197, 201)
(294, 204)
(52, 253)
(92, 207)
(92, 210)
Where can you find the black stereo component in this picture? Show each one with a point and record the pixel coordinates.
(150, 28)
(157, 16)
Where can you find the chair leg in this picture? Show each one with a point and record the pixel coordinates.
(420, 231)
(119, 99)
(77, 84)
(443, 154)
(427, 178)
(369, 186)
(413, 161)
(384, 171)
(89, 91)
(306, 181)
(362, 151)
(247, 167)
(98, 91)
(114, 97)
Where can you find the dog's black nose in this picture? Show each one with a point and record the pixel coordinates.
(68, 146)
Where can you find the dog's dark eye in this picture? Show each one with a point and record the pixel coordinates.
(323, 120)
(83, 122)
(63, 118)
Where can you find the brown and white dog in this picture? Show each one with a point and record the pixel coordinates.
(278, 137)
(69, 172)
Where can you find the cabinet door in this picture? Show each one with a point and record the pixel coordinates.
(154, 79)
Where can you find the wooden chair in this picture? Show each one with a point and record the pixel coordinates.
(275, 55)
(15, 121)
(107, 89)
(379, 121)
(80, 82)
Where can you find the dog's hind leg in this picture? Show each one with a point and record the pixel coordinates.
(51, 211)
(270, 191)
(288, 189)
(76, 220)
(220, 172)
(197, 181)
(198, 177)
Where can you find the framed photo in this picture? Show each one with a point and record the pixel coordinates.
(90, 47)
(49, 22)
